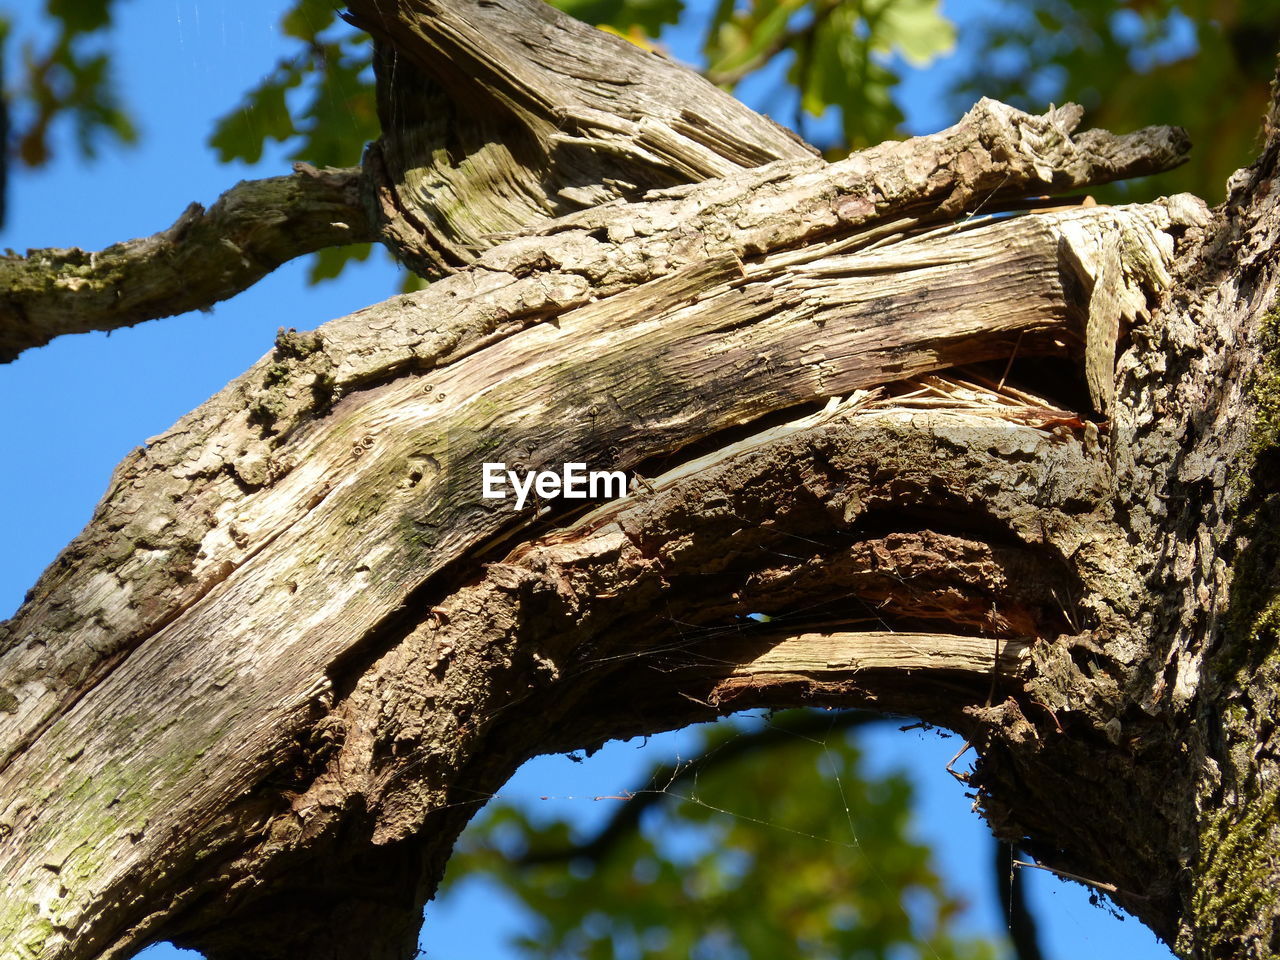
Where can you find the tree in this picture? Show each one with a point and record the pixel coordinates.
(262, 688)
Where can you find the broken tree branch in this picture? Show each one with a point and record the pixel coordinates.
(994, 154)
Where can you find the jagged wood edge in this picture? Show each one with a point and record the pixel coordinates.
(590, 256)
(251, 701)
(207, 256)
(499, 115)
(304, 377)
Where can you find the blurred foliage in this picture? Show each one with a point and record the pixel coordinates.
(1205, 65)
(780, 851)
(840, 54)
(318, 101)
(66, 74)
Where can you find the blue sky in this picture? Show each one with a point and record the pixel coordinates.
(78, 406)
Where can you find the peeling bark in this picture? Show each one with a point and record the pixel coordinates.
(265, 687)
(500, 115)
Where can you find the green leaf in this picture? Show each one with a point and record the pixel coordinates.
(622, 15)
(93, 104)
(914, 28)
(845, 63)
(340, 115)
(307, 19)
(753, 34)
(329, 262)
(81, 16)
(264, 115)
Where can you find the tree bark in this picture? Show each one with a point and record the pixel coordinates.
(251, 706)
(205, 257)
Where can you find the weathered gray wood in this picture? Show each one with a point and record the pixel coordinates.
(119, 593)
(293, 648)
(208, 256)
(501, 114)
(350, 516)
(807, 655)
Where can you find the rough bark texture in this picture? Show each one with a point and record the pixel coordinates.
(499, 115)
(496, 117)
(206, 256)
(1221, 586)
(251, 706)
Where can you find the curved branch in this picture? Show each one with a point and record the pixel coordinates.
(282, 546)
(803, 324)
(261, 583)
(206, 256)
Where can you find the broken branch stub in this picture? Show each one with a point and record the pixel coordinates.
(501, 114)
(498, 116)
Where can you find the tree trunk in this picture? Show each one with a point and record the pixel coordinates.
(251, 706)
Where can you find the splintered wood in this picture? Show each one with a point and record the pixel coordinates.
(310, 519)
